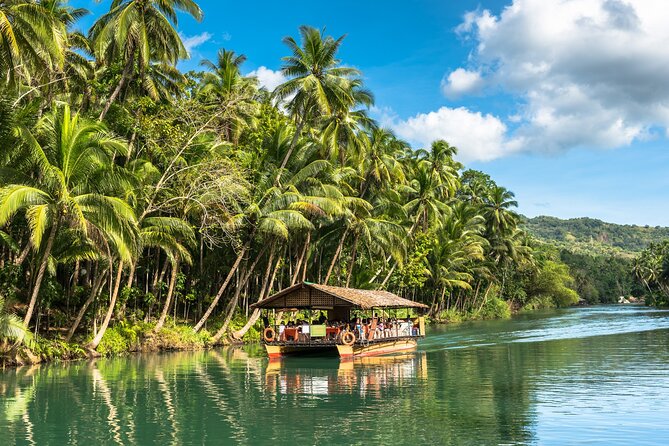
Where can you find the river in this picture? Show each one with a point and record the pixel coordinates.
(595, 375)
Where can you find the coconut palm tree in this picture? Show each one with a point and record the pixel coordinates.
(224, 88)
(173, 236)
(11, 327)
(31, 40)
(317, 84)
(139, 32)
(71, 187)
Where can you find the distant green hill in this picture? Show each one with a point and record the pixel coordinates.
(592, 236)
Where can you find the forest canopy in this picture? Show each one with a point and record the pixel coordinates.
(136, 198)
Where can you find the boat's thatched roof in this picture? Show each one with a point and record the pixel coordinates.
(311, 295)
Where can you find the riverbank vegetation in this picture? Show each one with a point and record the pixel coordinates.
(142, 207)
(599, 255)
(651, 270)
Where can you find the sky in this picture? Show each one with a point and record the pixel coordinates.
(564, 102)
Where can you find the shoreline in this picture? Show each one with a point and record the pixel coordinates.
(170, 339)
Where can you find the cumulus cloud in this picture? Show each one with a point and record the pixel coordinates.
(192, 42)
(587, 72)
(461, 82)
(478, 137)
(268, 78)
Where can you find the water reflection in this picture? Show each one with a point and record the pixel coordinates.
(365, 376)
(473, 384)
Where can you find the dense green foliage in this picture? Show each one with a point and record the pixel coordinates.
(592, 236)
(599, 255)
(651, 269)
(136, 197)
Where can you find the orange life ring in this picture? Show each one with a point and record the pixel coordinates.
(348, 338)
(269, 335)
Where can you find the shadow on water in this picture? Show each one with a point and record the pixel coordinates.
(595, 375)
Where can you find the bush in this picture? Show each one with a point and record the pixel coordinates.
(450, 316)
(121, 338)
(539, 302)
(494, 308)
(53, 349)
(179, 337)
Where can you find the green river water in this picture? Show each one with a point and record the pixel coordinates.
(595, 375)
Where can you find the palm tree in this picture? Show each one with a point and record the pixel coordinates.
(139, 32)
(72, 161)
(223, 87)
(317, 84)
(497, 210)
(31, 40)
(173, 236)
(443, 166)
(11, 327)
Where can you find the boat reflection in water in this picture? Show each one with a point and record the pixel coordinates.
(364, 376)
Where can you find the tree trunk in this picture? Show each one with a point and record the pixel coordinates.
(168, 299)
(353, 253)
(110, 311)
(335, 257)
(256, 313)
(293, 143)
(40, 274)
(125, 77)
(392, 269)
(24, 254)
(298, 267)
(233, 303)
(95, 290)
(221, 290)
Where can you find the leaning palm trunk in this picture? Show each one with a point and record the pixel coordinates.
(256, 313)
(392, 269)
(110, 310)
(222, 289)
(233, 303)
(24, 254)
(168, 299)
(303, 255)
(293, 143)
(40, 273)
(97, 286)
(335, 257)
(125, 77)
(353, 254)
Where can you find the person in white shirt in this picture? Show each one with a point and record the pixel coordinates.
(305, 330)
(282, 327)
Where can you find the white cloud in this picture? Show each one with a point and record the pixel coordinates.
(192, 42)
(267, 78)
(460, 82)
(478, 137)
(586, 72)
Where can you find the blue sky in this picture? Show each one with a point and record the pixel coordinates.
(564, 103)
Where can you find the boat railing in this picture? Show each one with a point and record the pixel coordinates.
(315, 337)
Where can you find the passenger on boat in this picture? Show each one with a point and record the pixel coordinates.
(359, 327)
(282, 328)
(380, 327)
(305, 331)
(405, 328)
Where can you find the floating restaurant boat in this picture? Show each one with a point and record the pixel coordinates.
(343, 329)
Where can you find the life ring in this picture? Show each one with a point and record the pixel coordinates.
(348, 338)
(269, 335)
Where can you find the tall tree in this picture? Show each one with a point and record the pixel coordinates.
(138, 32)
(72, 184)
